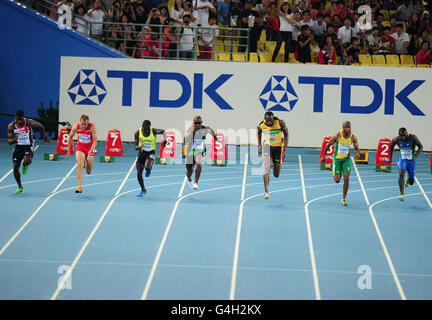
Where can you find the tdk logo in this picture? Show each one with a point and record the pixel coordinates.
(194, 89)
(278, 95)
(87, 88)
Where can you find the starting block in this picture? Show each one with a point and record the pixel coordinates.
(364, 157)
(51, 156)
(328, 157)
(218, 151)
(106, 159)
(382, 156)
(169, 150)
(163, 160)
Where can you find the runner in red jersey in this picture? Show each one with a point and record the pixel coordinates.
(85, 148)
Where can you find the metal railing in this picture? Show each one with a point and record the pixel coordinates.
(150, 41)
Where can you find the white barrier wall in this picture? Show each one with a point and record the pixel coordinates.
(313, 100)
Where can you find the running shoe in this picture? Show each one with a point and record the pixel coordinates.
(24, 169)
(78, 190)
(267, 196)
(406, 182)
(190, 183)
(195, 186)
(18, 191)
(148, 173)
(402, 197)
(84, 164)
(343, 202)
(143, 192)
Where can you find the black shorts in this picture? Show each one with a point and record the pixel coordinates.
(20, 152)
(274, 152)
(143, 156)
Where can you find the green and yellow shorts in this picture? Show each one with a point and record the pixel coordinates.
(341, 166)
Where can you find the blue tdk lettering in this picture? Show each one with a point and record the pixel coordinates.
(127, 77)
(346, 106)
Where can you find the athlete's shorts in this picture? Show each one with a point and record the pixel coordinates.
(191, 157)
(20, 152)
(341, 166)
(274, 152)
(83, 149)
(143, 156)
(409, 166)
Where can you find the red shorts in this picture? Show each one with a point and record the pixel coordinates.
(84, 149)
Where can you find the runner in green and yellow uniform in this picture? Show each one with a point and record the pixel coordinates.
(341, 160)
(145, 142)
(272, 152)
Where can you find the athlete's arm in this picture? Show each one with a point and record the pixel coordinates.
(137, 144)
(11, 135)
(38, 126)
(392, 145)
(259, 135)
(94, 137)
(70, 140)
(332, 140)
(356, 147)
(418, 144)
(162, 132)
(285, 132)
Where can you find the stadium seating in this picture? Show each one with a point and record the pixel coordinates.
(378, 59)
(393, 60)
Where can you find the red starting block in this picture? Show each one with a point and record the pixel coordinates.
(169, 151)
(62, 142)
(113, 147)
(218, 151)
(328, 158)
(382, 156)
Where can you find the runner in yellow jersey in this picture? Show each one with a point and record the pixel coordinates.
(145, 142)
(341, 160)
(272, 128)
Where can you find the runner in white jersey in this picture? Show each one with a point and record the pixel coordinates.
(20, 133)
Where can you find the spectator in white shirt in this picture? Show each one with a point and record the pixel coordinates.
(81, 21)
(177, 12)
(319, 26)
(345, 33)
(97, 15)
(285, 31)
(187, 42)
(402, 39)
(203, 7)
(206, 38)
(307, 19)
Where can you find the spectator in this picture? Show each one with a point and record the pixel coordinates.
(191, 12)
(307, 19)
(375, 42)
(318, 7)
(206, 39)
(140, 18)
(128, 47)
(296, 29)
(353, 51)
(152, 45)
(129, 12)
(140, 3)
(387, 42)
(114, 37)
(115, 13)
(272, 22)
(337, 22)
(203, 8)
(327, 54)
(414, 25)
(170, 37)
(244, 24)
(402, 40)
(302, 6)
(346, 33)
(379, 24)
(424, 37)
(255, 34)
(223, 14)
(97, 14)
(327, 19)
(177, 12)
(319, 28)
(81, 21)
(285, 31)
(403, 10)
(262, 8)
(331, 32)
(305, 39)
(187, 40)
(164, 15)
(425, 21)
(154, 20)
(424, 56)
(393, 23)
(236, 7)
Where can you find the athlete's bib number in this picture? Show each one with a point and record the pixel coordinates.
(23, 138)
(147, 146)
(343, 149)
(198, 144)
(84, 138)
(406, 154)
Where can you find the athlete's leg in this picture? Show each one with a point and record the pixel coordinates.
(149, 164)
(89, 166)
(189, 171)
(17, 175)
(140, 169)
(199, 160)
(337, 171)
(80, 157)
(266, 159)
(346, 185)
(411, 170)
(276, 169)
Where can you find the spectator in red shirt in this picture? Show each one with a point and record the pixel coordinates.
(327, 54)
(387, 41)
(424, 56)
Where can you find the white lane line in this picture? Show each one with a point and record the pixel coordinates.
(64, 179)
(360, 181)
(380, 237)
(244, 176)
(86, 243)
(423, 192)
(237, 244)
(182, 187)
(11, 170)
(309, 235)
